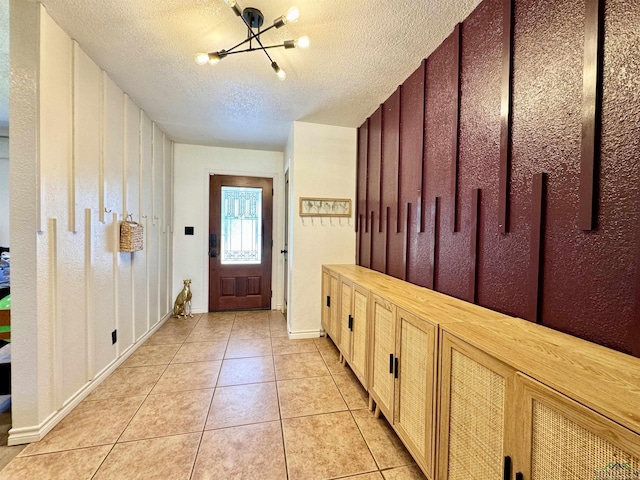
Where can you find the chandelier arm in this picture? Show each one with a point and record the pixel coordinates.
(257, 37)
(254, 49)
(250, 37)
(238, 45)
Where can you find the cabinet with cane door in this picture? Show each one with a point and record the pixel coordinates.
(331, 304)
(325, 318)
(498, 423)
(354, 302)
(403, 377)
(475, 394)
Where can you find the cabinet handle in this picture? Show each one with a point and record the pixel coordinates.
(507, 468)
(328, 301)
(350, 323)
(396, 368)
(519, 476)
(391, 363)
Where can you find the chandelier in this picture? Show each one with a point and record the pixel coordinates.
(253, 19)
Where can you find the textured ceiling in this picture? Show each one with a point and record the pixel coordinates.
(361, 50)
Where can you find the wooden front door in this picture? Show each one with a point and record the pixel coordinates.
(240, 242)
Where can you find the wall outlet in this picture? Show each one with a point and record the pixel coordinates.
(114, 337)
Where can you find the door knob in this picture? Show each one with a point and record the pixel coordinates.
(284, 251)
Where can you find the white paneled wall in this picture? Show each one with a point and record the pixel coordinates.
(100, 158)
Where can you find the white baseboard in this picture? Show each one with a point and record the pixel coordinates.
(20, 436)
(201, 310)
(304, 334)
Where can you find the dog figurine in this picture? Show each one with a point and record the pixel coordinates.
(182, 305)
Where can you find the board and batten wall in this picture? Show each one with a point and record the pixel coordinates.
(505, 170)
(321, 161)
(194, 164)
(84, 155)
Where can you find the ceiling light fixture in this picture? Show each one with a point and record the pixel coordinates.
(253, 19)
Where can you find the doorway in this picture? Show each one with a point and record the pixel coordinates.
(240, 242)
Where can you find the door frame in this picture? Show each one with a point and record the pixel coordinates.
(286, 228)
(277, 264)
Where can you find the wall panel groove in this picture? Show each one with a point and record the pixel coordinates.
(591, 113)
(455, 137)
(74, 138)
(506, 115)
(103, 121)
(423, 158)
(54, 318)
(399, 219)
(434, 247)
(89, 290)
(474, 240)
(536, 264)
(405, 245)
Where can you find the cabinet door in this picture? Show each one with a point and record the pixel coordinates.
(383, 330)
(359, 342)
(414, 408)
(326, 300)
(474, 404)
(346, 321)
(564, 440)
(334, 328)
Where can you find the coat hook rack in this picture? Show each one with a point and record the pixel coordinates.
(325, 207)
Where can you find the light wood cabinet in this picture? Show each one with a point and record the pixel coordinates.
(330, 318)
(497, 423)
(403, 375)
(326, 299)
(474, 401)
(346, 318)
(360, 334)
(414, 414)
(383, 345)
(475, 394)
(354, 301)
(562, 439)
(334, 329)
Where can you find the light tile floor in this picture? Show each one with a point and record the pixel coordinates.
(222, 396)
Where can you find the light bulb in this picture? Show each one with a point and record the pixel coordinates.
(202, 58)
(233, 4)
(281, 73)
(303, 42)
(293, 14)
(214, 58)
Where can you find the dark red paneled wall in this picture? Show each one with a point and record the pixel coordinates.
(506, 169)
(394, 263)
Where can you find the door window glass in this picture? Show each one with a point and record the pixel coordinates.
(241, 229)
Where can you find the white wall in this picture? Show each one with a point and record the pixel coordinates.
(83, 156)
(322, 163)
(193, 166)
(4, 192)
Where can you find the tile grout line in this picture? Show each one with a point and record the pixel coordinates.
(137, 410)
(284, 446)
(358, 426)
(204, 426)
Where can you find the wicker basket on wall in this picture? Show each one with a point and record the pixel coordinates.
(131, 235)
